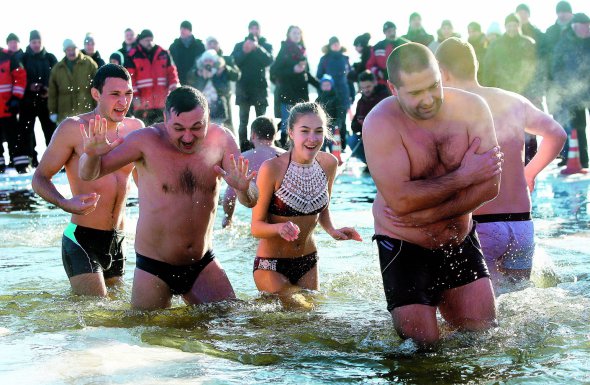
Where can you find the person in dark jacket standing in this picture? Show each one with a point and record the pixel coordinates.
(291, 71)
(38, 64)
(128, 44)
(480, 45)
(186, 50)
(416, 32)
(372, 93)
(252, 56)
(362, 46)
(564, 14)
(90, 50)
(571, 76)
(377, 62)
(336, 64)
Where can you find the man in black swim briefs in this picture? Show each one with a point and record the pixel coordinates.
(433, 163)
(179, 165)
(92, 244)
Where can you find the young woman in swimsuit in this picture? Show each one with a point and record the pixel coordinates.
(294, 195)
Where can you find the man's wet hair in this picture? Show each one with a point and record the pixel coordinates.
(457, 57)
(264, 128)
(408, 58)
(367, 76)
(109, 71)
(185, 99)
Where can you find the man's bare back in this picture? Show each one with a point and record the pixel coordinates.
(505, 224)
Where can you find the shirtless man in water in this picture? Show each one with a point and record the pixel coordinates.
(433, 162)
(179, 164)
(92, 244)
(504, 225)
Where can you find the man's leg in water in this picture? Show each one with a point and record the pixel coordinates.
(212, 285)
(471, 306)
(149, 292)
(417, 322)
(89, 284)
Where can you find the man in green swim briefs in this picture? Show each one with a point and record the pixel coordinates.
(92, 245)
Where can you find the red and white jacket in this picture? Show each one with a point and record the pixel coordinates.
(151, 79)
(13, 81)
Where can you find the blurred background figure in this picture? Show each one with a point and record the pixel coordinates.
(38, 64)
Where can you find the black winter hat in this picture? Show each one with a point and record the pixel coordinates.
(12, 36)
(186, 24)
(389, 24)
(581, 18)
(145, 33)
(34, 35)
(523, 7)
(362, 40)
(563, 6)
(253, 23)
(512, 18)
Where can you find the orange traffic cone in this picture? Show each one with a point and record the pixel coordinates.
(573, 165)
(336, 146)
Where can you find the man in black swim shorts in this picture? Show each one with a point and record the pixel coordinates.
(180, 164)
(433, 163)
(92, 244)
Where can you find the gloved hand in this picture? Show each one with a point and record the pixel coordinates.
(13, 105)
(53, 118)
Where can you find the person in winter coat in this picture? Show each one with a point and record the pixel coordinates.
(445, 31)
(416, 32)
(38, 63)
(329, 99)
(233, 74)
(362, 46)
(153, 76)
(185, 50)
(252, 56)
(571, 76)
(337, 65)
(291, 71)
(13, 80)
(128, 44)
(372, 93)
(377, 62)
(212, 77)
(480, 45)
(70, 82)
(89, 50)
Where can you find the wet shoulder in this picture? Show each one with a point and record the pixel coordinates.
(457, 102)
(69, 130)
(386, 115)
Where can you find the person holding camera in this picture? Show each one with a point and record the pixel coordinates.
(252, 56)
(211, 76)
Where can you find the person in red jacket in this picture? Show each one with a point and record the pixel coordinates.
(153, 76)
(377, 63)
(13, 80)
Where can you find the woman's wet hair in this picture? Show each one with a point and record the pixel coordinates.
(306, 108)
(109, 71)
(184, 99)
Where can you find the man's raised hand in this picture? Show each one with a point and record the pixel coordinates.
(96, 142)
(237, 176)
